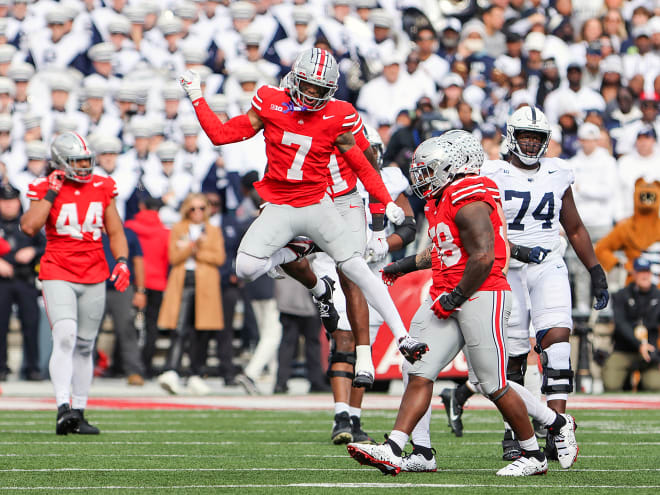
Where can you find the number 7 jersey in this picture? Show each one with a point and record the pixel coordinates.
(74, 250)
(531, 200)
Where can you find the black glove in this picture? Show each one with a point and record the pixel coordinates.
(599, 286)
(453, 300)
(529, 255)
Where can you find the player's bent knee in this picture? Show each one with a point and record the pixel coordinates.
(496, 395)
(339, 361)
(84, 347)
(249, 267)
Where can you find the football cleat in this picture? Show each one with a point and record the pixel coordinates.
(525, 466)
(359, 435)
(510, 447)
(539, 429)
(248, 384)
(411, 349)
(363, 379)
(454, 411)
(417, 463)
(82, 426)
(379, 456)
(566, 444)
(301, 247)
(327, 310)
(341, 431)
(169, 381)
(550, 450)
(66, 420)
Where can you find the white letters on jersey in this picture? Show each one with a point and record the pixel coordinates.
(67, 220)
(531, 200)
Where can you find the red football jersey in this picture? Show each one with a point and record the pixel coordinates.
(449, 261)
(299, 146)
(342, 177)
(74, 251)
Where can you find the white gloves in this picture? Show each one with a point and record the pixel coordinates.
(394, 213)
(192, 84)
(377, 247)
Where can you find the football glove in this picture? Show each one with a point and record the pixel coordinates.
(55, 180)
(599, 286)
(448, 303)
(529, 255)
(377, 247)
(121, 275)
(192, 84)
(389, 277)
(394, 213)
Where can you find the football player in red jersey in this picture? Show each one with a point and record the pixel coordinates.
(303, 125)
(468, 305)
(75, 206)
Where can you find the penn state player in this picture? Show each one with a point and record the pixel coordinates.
(469, 302)
(303, 125)
(537, 201)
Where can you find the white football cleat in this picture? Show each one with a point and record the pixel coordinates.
(198, 386)
(379, 456)
(417, 463)
(169, 381)
(525, 466)
(567, 447)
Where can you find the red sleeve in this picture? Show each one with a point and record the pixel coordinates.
(37, 189)
(234, 130)
(360, 139)
(371, 179)
(4, 247)
(111, 188)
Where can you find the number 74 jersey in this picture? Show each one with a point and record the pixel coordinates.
(74, 250)
(531, 200)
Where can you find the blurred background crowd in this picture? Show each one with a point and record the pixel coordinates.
(413, 68)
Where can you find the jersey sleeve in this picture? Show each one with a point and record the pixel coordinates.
(471, 192)
(37, 189)
(258, 100)
(111, 189)
(360, 139)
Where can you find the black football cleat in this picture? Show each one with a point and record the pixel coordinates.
(67, 420)
(82, 426)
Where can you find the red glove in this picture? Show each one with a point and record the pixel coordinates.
(121, 276)
(55, 180)
(441, 312)
(390, 278)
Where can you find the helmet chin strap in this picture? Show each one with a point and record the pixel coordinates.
(526, 161)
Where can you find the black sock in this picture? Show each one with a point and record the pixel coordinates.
(463, 393)
(559, 422)
(427, 452)
(395, 448)
(537, 454)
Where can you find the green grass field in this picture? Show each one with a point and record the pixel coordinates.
(186, 452)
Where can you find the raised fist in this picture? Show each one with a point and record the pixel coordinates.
(55, 180)
(192, 84)
(394, 213)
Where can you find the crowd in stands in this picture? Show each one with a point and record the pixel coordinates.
(413, 68)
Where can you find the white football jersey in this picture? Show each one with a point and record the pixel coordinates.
(531, 200)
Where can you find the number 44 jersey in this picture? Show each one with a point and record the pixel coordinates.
(531, 200)
(74, 251)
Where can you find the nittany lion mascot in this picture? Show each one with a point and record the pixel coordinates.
(638, 235)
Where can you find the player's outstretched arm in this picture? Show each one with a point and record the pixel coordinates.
(234, 130)
(405, 265)
(371, 179)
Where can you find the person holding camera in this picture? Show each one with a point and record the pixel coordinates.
(636, 320)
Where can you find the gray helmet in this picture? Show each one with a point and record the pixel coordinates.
(475, 155)
(66, 150)
(313, 66)
(376, 143)
(435, 163)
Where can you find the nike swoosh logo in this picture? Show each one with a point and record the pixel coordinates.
(453, 416)
(551, 171)
(326, 117)
(353, 206)
(97, 184)
(473, 298)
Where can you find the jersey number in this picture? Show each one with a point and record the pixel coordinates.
(67, 220)
(448, 252)
(545, 211)
(304, 143)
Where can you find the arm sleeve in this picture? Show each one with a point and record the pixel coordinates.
(370, 178)
(234, 130)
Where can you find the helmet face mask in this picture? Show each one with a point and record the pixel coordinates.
(70, 153)
(312, 81)
(436, 162)
(528, 135)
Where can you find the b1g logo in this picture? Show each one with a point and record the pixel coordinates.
(67, 220)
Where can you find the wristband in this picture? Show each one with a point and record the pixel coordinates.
(122, 259)
(50, 196)
(140, 290)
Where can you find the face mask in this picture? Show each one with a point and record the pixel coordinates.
(450, 42)
(474, 45)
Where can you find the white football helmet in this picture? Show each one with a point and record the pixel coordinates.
(471, 147)
(67, 149)
(376, 143)
(435, 163)
(314, 66)
(527, 119)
